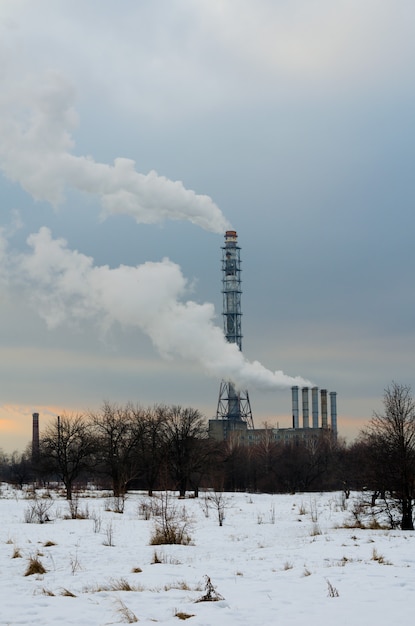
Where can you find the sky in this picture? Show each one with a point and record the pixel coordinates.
(133, 134)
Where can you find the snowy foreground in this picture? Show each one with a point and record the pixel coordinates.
(282, 559)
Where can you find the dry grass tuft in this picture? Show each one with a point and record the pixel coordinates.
(35, 566)
(67, 593)
(156, 558)
(182, 615)
(127, 615)
(121, 585)
(113, 585)
(181, 584)
(47, 592)
(379, 558)
(16, 553)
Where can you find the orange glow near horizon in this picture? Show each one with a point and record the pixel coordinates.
(16, 424)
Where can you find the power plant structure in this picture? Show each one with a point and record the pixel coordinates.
(234, 415)
(233, 412)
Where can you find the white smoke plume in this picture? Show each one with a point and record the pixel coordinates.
(149, 297)
(37, 119)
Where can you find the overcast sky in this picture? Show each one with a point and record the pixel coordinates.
(134, 133)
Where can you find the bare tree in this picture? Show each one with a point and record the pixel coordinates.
(152, 445)
(184, 429)
(219, 502)
(117, 431)
(391, 439)
(67, 448)
(20, 468)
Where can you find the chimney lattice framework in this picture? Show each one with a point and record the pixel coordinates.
(233, 404)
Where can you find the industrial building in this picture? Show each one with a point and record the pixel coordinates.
(234, 415)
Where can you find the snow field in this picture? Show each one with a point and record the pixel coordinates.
(277, 559)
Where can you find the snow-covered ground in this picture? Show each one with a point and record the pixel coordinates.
(277, 559)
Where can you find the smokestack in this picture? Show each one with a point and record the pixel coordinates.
(323, 394)
(314, 404)
(333, 411)
(294, 394)
(35, 436)
(305, 407)
(232, 404)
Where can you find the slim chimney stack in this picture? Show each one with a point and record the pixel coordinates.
(314, 405)
(323, 394)
(333, 411)
(294, 393)
(35, 436)
(305, 407)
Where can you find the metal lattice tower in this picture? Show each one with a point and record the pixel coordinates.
(233, 405)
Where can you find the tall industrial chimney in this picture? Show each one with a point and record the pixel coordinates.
(35, 436)
(333, 411)
(323, 394)
(314, 405)
(232, 404)
(294, 393)
(305, 407)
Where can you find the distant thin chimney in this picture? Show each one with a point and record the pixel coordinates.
(35, 437)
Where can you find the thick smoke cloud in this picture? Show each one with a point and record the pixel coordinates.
(149, 297)
(36, 150)
(37, 119)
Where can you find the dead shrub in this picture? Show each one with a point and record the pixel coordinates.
(219, 502)
(210, 595)
(332, 591)
(170, 527)
(109, 534)
(38, 511)
(172, 534)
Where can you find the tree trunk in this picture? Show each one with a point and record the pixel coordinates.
(407, 521)
(182, 487)
(68, 487)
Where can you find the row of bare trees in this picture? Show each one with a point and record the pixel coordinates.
(167, 447)
(162, 447)
(122, 444)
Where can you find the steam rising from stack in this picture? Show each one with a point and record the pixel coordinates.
(36, 152)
